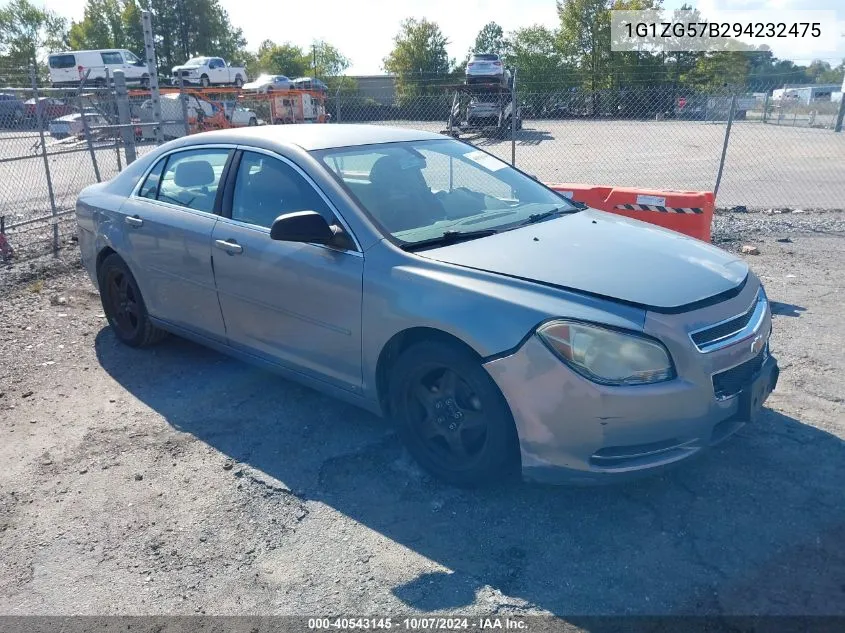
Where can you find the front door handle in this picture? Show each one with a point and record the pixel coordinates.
(133, 220)
(230, 246)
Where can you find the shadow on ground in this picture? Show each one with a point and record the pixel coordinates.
(786, 309)
(752, 527)
(524, 136)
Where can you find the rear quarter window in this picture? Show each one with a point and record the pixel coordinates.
(112, 58)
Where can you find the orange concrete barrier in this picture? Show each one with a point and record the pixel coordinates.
(688, 212)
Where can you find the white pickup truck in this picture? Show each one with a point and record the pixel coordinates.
(209, 71)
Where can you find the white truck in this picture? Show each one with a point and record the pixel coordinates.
(209, 71)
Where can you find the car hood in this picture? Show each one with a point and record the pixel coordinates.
(185, 67)
(606, 255)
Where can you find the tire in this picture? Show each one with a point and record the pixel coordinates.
(452, 416)
(252, 122)
(239, 82)
(124, 306)
(205, 82)
(145, 82)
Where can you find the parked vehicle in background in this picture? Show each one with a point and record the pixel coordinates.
(489, 110)
(209, 71)
(310, 83)
(357, 259)
(203, 114)
(297, 107)
(69, 67)
(47, 108)
(72, 124)
(238, 115)
(487, 68)
(12, 111)
(268, 83)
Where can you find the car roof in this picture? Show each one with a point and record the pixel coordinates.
(314, 136)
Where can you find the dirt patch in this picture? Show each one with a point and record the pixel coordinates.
(176, 480)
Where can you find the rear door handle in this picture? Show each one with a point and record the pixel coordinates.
(231, 247)
(133, 220)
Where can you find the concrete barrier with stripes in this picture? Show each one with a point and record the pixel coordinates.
(688, 212)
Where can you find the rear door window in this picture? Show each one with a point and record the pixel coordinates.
(62, 61)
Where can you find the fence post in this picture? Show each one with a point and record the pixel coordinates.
(725, 145)
(766, 108)
(150, 53)
(841, 114)
(513, 117)
(40, 120)
(111, 109)
(86, 130)
(127, 132)
(183, 99)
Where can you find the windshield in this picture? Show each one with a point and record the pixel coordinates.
(485, 57)
(196, 61)
(419, 190)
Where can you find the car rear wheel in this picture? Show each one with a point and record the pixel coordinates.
(124, 306)
(252, 122)
(204, 81)
(452, 416)
(238, 82)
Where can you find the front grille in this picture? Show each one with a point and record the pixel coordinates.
(730, 382)
(703, 338)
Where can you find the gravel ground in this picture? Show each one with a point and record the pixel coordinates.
(176, 480)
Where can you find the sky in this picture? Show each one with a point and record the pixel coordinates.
(363, 30)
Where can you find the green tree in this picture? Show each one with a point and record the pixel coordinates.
(280, 59)
(330, 61)
(584, 38)
(490, 39)
(27, 32)
(719, 71)
(534, 52)
(102, 26)
(418, 57)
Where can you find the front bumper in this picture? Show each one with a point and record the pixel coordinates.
(572, 430)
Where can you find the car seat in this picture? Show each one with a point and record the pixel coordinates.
(401, 199)
(193, 178)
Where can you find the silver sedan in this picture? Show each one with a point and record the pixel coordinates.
(500, 327)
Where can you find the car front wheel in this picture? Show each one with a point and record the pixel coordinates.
(452, 416)
(124, 306)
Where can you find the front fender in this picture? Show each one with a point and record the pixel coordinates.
(491, 313)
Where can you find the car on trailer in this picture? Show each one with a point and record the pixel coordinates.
(265, 84)
(209, 71)
(485, 68)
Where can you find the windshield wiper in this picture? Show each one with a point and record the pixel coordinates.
(539, 217)
(447, 238)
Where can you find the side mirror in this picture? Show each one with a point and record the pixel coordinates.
(308, 226)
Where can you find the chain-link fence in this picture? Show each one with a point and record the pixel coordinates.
(756, 151)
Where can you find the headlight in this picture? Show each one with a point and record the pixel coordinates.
(607, 356)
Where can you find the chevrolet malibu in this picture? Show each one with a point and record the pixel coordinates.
(500, 327)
